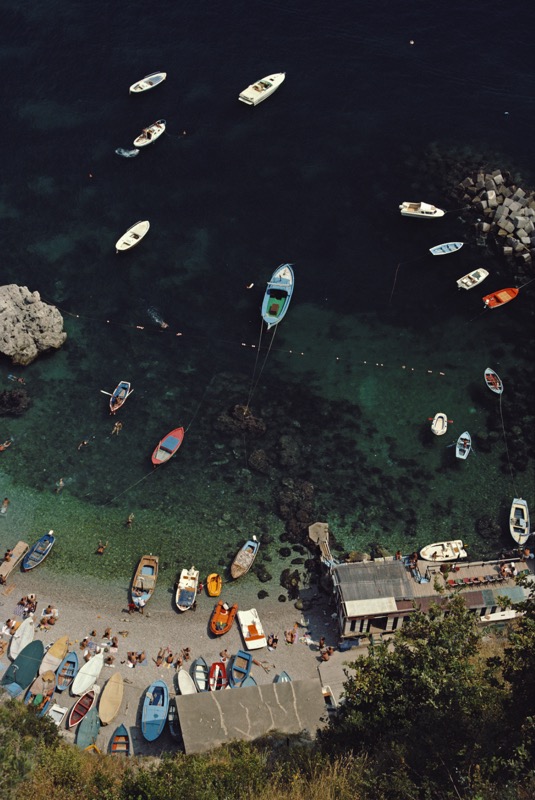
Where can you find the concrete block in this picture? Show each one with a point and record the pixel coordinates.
(508, 252)
(525, 257)
(505, 190)
(484, 227)
(480, 205)
(518, 221)
(507, 202)
(490, 186)
(497, 177)
(529, 227)
(515, 206)
(519, 193)
(491, 198)
(466, 183)
(525, 240)
(508, 226)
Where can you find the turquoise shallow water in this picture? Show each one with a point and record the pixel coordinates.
(313, 176)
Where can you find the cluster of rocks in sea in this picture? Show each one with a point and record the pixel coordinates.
(508, 212)
(28, 325)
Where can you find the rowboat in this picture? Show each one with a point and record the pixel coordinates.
(111, 699)
(39, 695)
(67, 671)
(249, 681)
(519, 521)
(445, 248)
(54, 655)
(500, 297)
(144, 580)
(133, 236)
(88, 729)
(38, 552)
(463, 446)
(155, 707)
(148, 82)
(186, 684)
(7, 567)
(120, 742)
(23, 670)
(119, 396)
(186, 590)
(172, 719)
(243, 560)
(251, 629)
(22, 636)
(472, 279)
(168, 446)
(150, 134)
(278, 295)
(87, 675)
(201, 674)
(84, 704)
(214, 584)
(222, 618)
(439, 425)
(57, 713)
(444, 551)
(420, 210)
(240, 669)
(493, 381)
(257, 92)
(218, 676)
(282, 677)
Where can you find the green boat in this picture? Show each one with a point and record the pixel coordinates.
(22, 672)
(88, 729)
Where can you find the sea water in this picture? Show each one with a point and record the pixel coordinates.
(382, 102)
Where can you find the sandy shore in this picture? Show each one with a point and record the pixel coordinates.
(97, 606)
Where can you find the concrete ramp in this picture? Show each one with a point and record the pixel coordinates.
(210, 719)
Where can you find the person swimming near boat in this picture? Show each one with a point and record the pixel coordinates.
(11, 377)
(101, 547)
(5, 445)
(156, 317)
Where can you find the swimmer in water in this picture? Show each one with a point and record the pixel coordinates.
(156, 317)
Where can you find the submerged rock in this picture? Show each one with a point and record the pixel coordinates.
(28, 326)
(14, 402)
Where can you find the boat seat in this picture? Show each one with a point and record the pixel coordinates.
(274, 309)
(146, 582)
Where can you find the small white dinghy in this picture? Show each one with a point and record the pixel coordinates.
(439, 425)
(132, 236)
(150, 134)
(463, 446)
(148, 82)
(186, 684)
(472, 279)
(445, 248)
(257, 92)
(420, 210)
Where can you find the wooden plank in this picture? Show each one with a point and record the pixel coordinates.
(19, 551)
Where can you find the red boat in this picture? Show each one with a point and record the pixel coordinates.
(218, 676)
(168, 446)
(84, 704)
(222, 618)
(500, 297)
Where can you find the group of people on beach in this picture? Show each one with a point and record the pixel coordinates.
(165, 657)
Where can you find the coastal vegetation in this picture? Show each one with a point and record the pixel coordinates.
(444, 712)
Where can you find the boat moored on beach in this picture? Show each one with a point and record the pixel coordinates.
(186, 590)
(54, 655)
(186, 684)
(222, 618)
(251, 629)
(87, 676)
(201, 674)
(148, 82)
(23, 670)
(240, 668)
(67, 671)
(420, 210)
(111, 699)
(259, 91)
(278, 295)
(493, 381)
(218, 677)
(214, 584)
(132, 236)
(150, 134)
(500, 298)
(23, 635)
(57, 713)
(519, 521)
(120, 742)
(82, 706)
(144, 581)
(444, 551)
(38, 552)
(463, 446)
(167, 447)
(244, 558)
(472, 279)
(155, 708)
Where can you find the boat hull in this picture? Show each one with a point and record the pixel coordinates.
(439, 425)
(444, 551)
(218, 676)
(472, 279)
(82, 707)
(144, 581)
(277, 296)
(251, 629)
(244, 559)
(88, 675)
(155, 708)
(463, 446)
(88, 729)
(23, 636)
(148, 82)
(55, 655)
(167, 447)
(519, 521)
(132, 237)
(493, 381)
(214, 584)
(222, 618)
(186, 591)
(67, 671)
(111, 699)
(445, 249)
(258, 92)
(119, 396)
(500, 298)
(25, 667)
(201, 674)
(120, 742)
(240, 668)
(420, 210)
(38, 552)
(155, 130)
(186, 684)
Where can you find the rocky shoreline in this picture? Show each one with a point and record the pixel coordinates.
(28, 325)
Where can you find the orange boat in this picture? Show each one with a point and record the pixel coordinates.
(500, 297)
(214, 584)
(222, 618)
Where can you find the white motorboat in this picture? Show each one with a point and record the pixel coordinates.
(150, 134)
(133, 236)
(186, 590)
(445, 248)
(251, 629)
(186, 684)
(463, 446)
(472, 279)
(148, 82)
(519, 521)
(439, 425)
(88, 675)
(420, 210)
(22, 636)
(257, 92)
(444, 551)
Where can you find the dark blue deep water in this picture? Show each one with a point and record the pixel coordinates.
(313, 176)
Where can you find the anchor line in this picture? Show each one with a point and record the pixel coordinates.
(253, 385)
(507, 450)
(131, 486)
(263, 365)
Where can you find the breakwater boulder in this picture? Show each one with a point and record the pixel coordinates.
(28, 325)
(506, 211)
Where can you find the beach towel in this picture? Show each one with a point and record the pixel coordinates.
(143, 663)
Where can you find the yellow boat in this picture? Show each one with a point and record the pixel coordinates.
(111, 699)
(214, 584)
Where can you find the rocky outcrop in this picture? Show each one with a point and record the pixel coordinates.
(28, 326)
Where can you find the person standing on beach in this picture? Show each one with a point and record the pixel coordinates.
(5, 506)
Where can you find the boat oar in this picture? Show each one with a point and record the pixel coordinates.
(259, 664)
(108, 393)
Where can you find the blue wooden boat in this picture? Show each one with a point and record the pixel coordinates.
(278, 295)
(23, 670)
(88, 729)
(282, 677)
(249, 681)
(155, 708)
(38, 552)
(119, 396)
(240, 668)
(67, 671)
(200, 672)
(120, 742)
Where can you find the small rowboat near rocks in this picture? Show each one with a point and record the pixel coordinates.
(500, 298)
(444, 249)
(244, 559)
(472, 279)
(420, 210)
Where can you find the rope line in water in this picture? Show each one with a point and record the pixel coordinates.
(515, 493)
